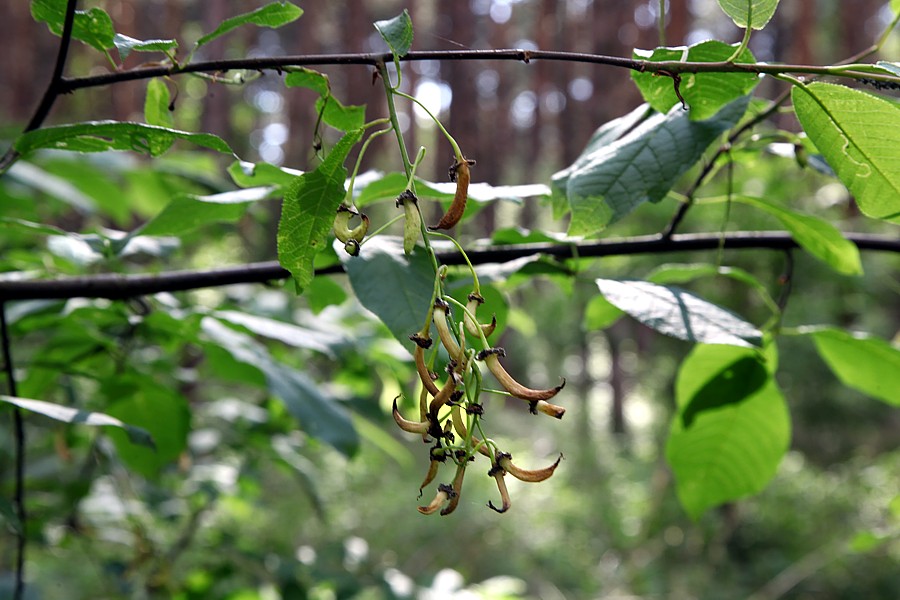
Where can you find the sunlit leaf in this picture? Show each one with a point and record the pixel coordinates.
(641, 166)
(126, 45)
(307, 213)
(756, 13)
(100, 136)
(867, 364)
(272, 15)
(156, 104)
(704, 93)
(188, 212)
(76, 416)
(731, 430)
(675, 312)
(849, 127)
(394, 286)
(397, 32)
(93, 26)
(247, 174)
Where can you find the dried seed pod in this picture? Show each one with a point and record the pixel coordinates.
(443, 494)
(342, 229)
(457, 489)
(437, 457)
(474, 301)
(422, 428)
(504, 459)
(441, 310)
(422, 343)
(459, 172)
(545, 407)
(444, 395)
(499, 474)
(491, 358)
(412, 227)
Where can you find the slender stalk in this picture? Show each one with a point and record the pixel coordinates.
(456, 151)
(661, 21)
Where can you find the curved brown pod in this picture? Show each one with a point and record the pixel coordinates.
(458, 206)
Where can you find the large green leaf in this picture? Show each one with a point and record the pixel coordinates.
(731, 430)
(704, 93)
(101, 136)
(675, 312)
(272, 15)
(307, 213)
(856, 132)
(641, 166)
(76, 416)
(867, 364)
(326, 342)
(817, 236)
(319, 415)
(339, 116)
(247, 174)
(397, 32)
(188, 212)
(165, 414)
(394, 286)
(93, 27)
(756, 13)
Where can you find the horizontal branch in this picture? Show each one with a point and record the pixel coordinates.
(518, 55)
(118, 286)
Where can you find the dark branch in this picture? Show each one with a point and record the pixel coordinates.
(117, 286)
(19, 442)
(54, 88)
(526, 56)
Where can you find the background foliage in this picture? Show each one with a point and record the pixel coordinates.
(236, 442)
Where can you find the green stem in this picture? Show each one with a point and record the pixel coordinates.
(456, 151)
(468, 314)
(410, 182)
(362, 152)
(476, 287)
(380, 229)
(661, 22)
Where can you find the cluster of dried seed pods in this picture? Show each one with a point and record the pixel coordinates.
(450, 412)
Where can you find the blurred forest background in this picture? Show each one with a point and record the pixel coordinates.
(608, 524)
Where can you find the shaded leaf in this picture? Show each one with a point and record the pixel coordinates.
(756, 13)
(93, 27)
(307, 213)
(599, 313)
(76, 416)
(100, 136)
(318, 415)
(272, 15)
(126, 45)
(188, 212)
(394, 286)
(704, 93)
(738, 428)
(60, 188)
(867, 364)
(293, 335)
(675, 312)
(156, 104)
(849, 129)
(641, 166)
(397, 32)
(247, 174)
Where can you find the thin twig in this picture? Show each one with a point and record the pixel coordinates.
(118, 286)
(54, 88)
(19, 442)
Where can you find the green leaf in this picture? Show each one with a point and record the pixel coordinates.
(891, 67)
(325, 342)
(677, 313)
(755, 12)
(317, 414)
(704, 93)
(247, 174)
(599, 313)
(188, 212)
(817, 236)
(157, 107)
(272, 15)
(867, 364)
(641, 166)
(324, 292)
(101, 136)
(667, 274)
(307, 213)
(67, 414)
(731, 430)
(126, 45)
(93, 27)
(165, 414)
(310, 79)
(394, 286)
(342, 118)
(895, 6)
(397, 32)
(61, 188)
(850, 129)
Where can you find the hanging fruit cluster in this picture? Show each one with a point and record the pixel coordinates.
(451, 411)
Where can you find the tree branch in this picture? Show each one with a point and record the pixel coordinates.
(372, 59)
(118, 286)
(54, 88)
